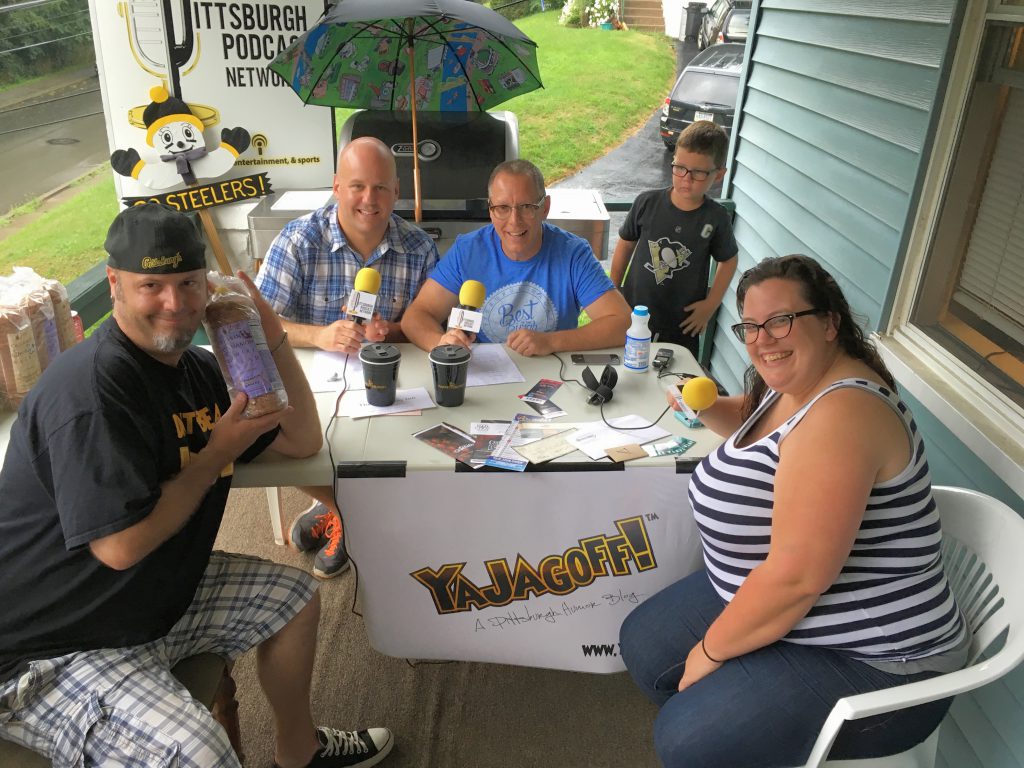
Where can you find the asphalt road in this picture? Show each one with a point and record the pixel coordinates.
(46, 145)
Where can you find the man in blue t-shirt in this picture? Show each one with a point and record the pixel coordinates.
(538, 277)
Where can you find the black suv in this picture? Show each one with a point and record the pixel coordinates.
(726, 21)
(706, 90)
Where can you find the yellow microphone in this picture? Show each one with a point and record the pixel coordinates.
(363, 299)
(472, 295)
(466, 315)
(700, 393)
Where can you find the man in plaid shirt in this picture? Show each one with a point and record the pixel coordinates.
(310, 270)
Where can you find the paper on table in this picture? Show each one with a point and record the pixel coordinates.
(326, 372)
(596, 438)
(354, 404)
(302, 200)
(490, 364)
(546, 448)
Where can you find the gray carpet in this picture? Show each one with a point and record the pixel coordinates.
(449, 715)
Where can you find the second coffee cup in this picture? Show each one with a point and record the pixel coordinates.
(450, 365)
(380, 372)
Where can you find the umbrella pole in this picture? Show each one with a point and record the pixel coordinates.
(415, 135)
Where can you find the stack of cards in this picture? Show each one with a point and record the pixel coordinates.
(539, 398)
(448, 440)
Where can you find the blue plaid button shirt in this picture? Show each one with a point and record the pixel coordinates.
(310, 268)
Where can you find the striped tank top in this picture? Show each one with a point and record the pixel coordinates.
(891, 601)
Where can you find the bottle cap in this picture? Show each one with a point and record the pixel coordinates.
(640, 310)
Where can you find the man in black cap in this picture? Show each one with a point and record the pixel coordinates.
(114, 484)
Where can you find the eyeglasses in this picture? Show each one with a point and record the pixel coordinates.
(526, 211)
(697, 174)
(777, 327)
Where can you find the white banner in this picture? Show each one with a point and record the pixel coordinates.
(218, 56)
(537, 569)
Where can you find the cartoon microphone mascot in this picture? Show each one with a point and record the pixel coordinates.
(177, 135)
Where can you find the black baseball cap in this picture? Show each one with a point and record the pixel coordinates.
(155, 239)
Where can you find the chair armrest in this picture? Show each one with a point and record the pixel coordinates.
(903, 696)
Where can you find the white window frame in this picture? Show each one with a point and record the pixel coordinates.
(983, 418)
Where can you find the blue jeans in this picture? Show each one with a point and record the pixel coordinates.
(762, 709)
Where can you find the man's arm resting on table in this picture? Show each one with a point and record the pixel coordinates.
(609, 320)
(300, 434)
(181, 495)
(423, 320)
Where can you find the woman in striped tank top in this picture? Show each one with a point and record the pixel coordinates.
(821, 540)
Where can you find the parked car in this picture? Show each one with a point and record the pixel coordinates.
(706, 90)
(726, 21)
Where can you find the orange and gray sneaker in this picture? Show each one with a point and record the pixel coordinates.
(319, 528)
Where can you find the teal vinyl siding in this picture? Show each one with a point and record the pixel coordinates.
(838, 99)
(837, 103)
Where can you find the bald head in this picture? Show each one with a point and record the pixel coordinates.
(366, 188)
(366, 149)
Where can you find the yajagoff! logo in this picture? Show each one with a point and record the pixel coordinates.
(559, 574)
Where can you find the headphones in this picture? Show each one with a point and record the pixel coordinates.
(601, 390)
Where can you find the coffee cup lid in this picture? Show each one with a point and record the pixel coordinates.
(449, 354)
(379, 353)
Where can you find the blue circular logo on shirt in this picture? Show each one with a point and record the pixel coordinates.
(518, 305)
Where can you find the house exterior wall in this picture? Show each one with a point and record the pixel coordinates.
(837, 110)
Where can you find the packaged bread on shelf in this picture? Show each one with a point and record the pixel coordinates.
(233, 326)
(19, 360)
(61, 304)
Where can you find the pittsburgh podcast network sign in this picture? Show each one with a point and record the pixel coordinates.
(209, 195)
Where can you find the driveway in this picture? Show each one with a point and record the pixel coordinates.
(640, 163)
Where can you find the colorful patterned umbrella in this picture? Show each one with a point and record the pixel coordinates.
(405, 55)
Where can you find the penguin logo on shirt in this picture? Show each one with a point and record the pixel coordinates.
(667, 256)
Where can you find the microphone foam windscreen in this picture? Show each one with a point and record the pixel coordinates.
(367, 280)
(472, 294)
(700, 393)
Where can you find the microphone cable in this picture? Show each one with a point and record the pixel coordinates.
(328, 431)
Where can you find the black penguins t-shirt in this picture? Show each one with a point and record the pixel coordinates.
(103, 428)
(671, 264)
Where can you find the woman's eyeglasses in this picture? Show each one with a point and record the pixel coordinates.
(526, 211)
(697, 174)
(777, 327)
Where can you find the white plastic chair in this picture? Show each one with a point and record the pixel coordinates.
(982, 544)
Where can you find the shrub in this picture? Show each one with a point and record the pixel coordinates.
(572, 13)
(602, 11)
(515, 9)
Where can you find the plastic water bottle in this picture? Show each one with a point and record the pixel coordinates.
(638, 341)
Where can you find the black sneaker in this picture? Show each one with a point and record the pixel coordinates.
(346, 749)
(332, 559)
(309, 529)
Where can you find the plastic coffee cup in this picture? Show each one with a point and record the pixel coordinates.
(380, 372)
(450, 365)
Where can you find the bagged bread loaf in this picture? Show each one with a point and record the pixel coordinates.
(233, 325)
(35, 301)
(19, 360)
(65, 326)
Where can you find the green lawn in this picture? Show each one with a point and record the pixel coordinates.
(600, 87)
(68, 240)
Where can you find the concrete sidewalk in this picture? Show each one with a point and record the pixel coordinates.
(58, 84)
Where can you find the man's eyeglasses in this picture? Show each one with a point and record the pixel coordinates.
(697, 174)
(526, 211)
(777, 327)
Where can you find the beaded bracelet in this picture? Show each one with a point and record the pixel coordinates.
(284, 338)
(710, 657)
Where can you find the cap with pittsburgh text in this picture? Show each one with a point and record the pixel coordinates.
(152, 238)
